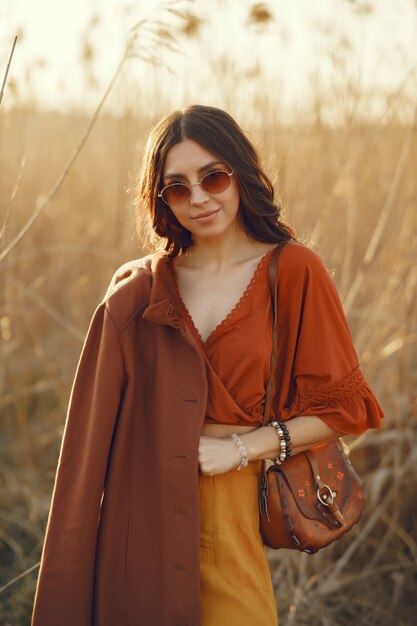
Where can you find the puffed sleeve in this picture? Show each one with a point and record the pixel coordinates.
(64, 593)
(318, 362)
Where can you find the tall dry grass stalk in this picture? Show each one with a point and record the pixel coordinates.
(350, 188)
(6, 73)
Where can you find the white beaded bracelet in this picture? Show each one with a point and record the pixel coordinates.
(242, 450)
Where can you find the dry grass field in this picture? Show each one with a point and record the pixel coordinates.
(350, 190)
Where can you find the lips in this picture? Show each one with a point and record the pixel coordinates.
(196, 217)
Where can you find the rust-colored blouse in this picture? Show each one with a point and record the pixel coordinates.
(316, 357)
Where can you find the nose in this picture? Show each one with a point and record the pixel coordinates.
(197, 194)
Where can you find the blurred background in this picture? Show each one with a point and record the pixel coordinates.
(328, 93)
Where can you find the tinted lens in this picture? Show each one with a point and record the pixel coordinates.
(215, 182)
(175, 194)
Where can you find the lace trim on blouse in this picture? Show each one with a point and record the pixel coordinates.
(229, 317)
(332, 395)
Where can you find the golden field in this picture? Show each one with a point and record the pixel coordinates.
(350, 189)
(337, 185)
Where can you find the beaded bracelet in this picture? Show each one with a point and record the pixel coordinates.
(242, 450)
(282, 443)
(287, 437)
(285, 447)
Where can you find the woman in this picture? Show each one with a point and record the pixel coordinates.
(154, 516)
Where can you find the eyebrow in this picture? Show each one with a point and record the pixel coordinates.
(200, 169)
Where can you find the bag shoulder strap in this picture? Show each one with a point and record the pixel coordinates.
(273, 287)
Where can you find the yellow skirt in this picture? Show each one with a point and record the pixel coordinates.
(236, 586)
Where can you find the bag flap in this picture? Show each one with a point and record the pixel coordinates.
(336, 471)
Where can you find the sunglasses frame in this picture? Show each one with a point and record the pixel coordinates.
(194, 184)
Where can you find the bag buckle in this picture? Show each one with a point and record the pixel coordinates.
(328, 497)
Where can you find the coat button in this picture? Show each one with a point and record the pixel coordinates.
(181, 568)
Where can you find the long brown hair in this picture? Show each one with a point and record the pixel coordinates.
(217, 131)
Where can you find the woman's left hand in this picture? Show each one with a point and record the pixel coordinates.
(217, 455)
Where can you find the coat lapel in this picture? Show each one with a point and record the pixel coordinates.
(164, 305)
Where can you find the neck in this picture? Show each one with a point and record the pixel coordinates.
(218, 253)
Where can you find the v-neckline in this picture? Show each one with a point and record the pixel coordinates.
(226, 320)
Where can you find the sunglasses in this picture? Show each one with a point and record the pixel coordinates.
(213, 182)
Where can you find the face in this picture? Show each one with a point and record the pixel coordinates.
(203, 213)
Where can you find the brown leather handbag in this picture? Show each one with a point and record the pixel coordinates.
(315, 496)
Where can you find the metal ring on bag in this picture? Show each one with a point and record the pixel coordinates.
(323, 499)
